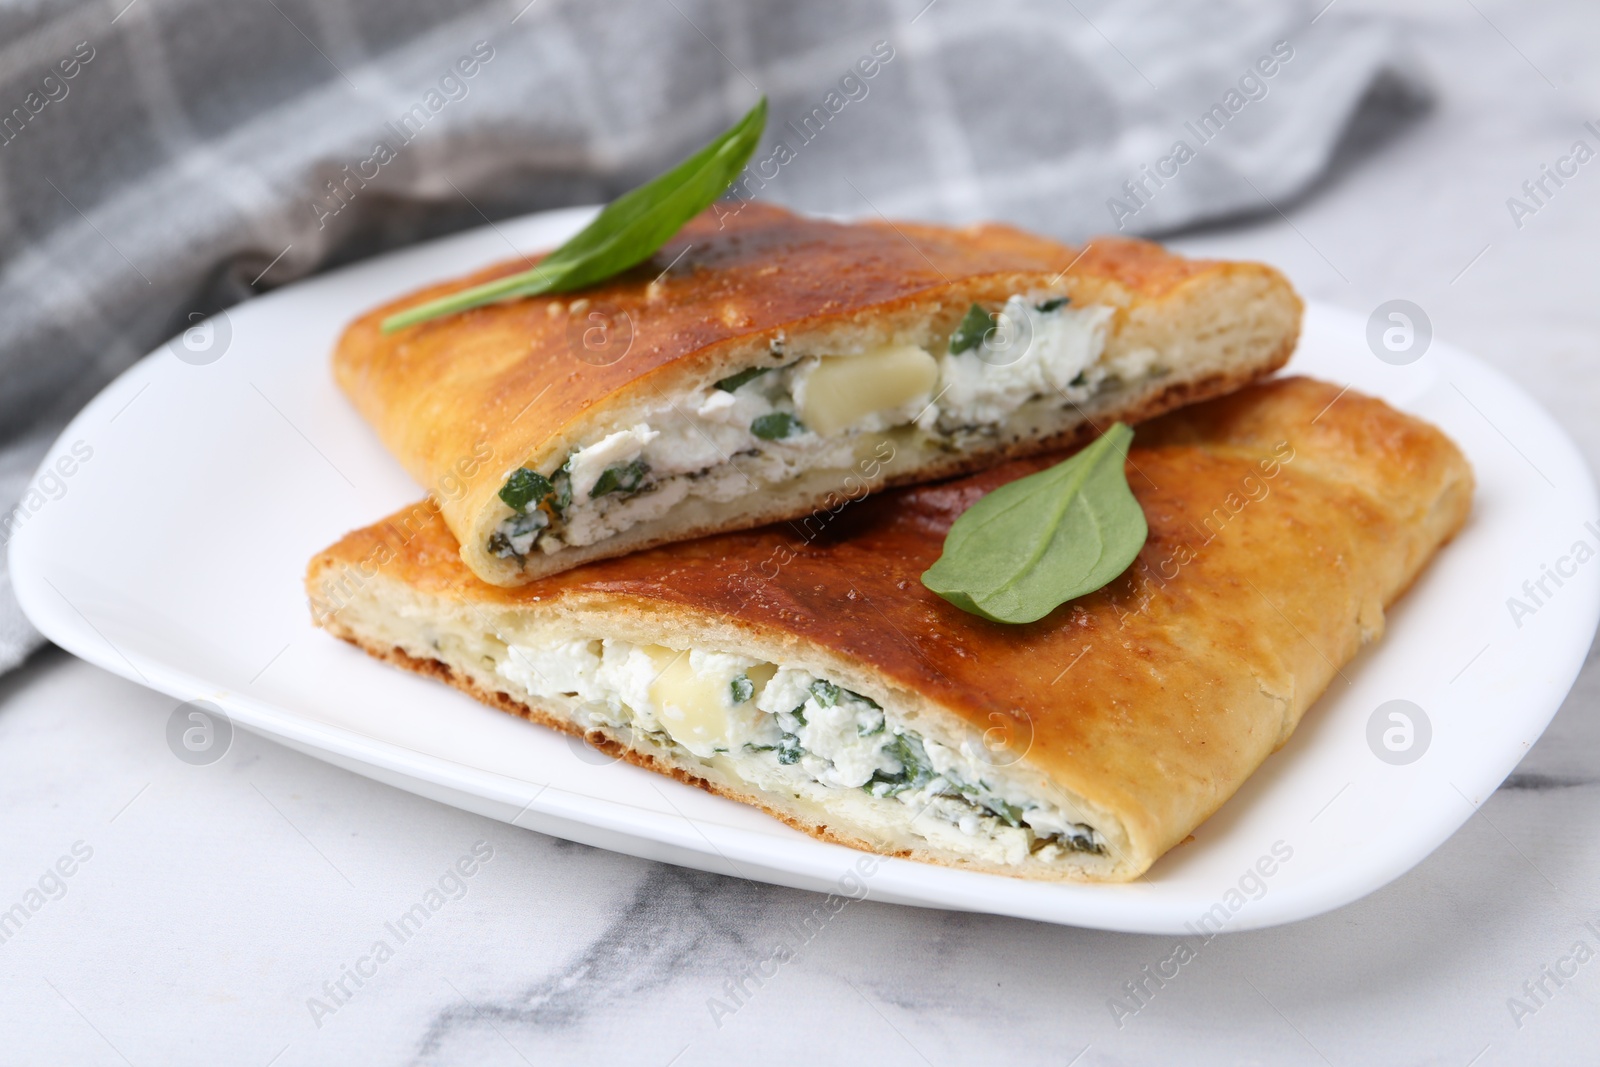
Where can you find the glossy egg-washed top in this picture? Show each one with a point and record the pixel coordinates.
(464, 399)
(1279, 528)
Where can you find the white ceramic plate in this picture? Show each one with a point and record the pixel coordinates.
(173, 556)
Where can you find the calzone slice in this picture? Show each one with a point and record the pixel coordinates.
(811, 674)
(763, 363)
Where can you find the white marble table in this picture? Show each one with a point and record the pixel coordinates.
(206, 906)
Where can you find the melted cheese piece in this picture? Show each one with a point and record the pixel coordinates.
(696, 709)
(843, 390)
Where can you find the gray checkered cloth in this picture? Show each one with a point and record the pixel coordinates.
(160, 157)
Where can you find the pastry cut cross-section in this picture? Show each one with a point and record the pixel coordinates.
(762, 362)
(805, 669)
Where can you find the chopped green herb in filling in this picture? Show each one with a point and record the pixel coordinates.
(733, 381)
(1053, 304)
(538, 501)
(563, 496)
(874, 726)
(624, 477)
(518, 536)
(827, 693)
(1007, 811)
(969, 334)
(915, 770)
(741, 689)
(524, 487)
(776, 425)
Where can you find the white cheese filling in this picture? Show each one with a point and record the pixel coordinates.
(781, 729)
(771, 426)
(1030, 353)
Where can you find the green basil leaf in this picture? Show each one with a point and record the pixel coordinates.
(1007, 811)
(733, 381)
(624, 477)
(561, 483)
(873, 726)
(523, 487)
(916, 770)
(971, 330)
(625, 234)
(1035, 543)
(775, 426)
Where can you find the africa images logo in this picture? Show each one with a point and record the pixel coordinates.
(199, 733)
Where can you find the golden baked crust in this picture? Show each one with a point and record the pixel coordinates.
(1280, 528)
(462, 401)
